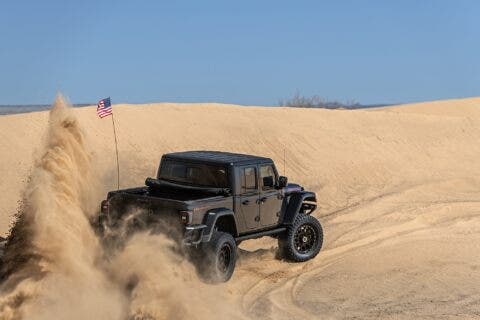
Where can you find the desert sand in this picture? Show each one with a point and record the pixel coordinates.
(398, 192)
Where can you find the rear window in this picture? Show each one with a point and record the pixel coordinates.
(195, 174)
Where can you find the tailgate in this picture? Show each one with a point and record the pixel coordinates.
(137, 211)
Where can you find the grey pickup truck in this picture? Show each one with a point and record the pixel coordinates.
(210, 201)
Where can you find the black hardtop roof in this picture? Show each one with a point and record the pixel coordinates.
(218, 157)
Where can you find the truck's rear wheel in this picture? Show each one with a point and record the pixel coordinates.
(303, 239)
(219, 257)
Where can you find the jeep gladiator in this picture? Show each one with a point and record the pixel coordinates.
(211, 201)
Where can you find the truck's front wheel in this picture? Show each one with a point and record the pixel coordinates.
(303, 239)
(218, 261)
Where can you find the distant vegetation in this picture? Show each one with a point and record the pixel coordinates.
(13, 109)
(300, 101)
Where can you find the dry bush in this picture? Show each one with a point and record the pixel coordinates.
(316, 101)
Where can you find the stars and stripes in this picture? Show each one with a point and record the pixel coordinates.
(104, 107)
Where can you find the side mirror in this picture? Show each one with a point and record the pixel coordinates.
(282, 182)
(268, 182)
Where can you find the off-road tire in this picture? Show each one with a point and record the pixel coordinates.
(302, 240)
(218, 257)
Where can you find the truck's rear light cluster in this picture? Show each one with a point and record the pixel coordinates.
(104, 206)
(186, 217)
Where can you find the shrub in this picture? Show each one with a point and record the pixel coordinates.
(299, 101)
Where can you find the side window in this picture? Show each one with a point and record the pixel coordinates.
(267, 177)
(249, 180)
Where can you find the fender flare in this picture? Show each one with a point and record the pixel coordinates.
(295, 204)
(211, 219)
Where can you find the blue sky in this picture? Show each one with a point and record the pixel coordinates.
(247, 52)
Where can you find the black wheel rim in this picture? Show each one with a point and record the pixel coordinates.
(305, 239)
(224, 258)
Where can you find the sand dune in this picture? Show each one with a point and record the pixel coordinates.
(398, 191)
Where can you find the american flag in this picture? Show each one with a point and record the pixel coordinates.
(104, 107)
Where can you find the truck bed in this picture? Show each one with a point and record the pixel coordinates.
(148, 206)
(166, 194)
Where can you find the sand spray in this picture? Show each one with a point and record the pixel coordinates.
(54, 266)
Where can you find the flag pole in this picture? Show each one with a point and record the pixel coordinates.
(116, 151)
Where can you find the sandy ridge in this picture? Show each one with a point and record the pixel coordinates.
(398, 192)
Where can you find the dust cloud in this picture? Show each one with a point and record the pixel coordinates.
(54, 266)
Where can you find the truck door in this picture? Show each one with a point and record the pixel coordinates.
(247, 200)
(270, 198)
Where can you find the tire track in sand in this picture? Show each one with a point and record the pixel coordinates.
(275, 296)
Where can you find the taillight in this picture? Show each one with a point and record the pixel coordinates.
(104, 206)
(186, 217)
